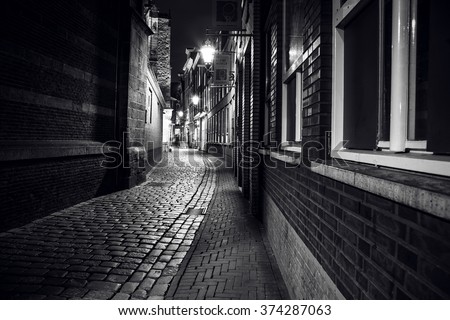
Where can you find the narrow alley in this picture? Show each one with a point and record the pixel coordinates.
(224, 149)
(180, 235)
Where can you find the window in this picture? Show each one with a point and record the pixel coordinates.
(390, 86)
(271, 86)
(293, 17)
(149, 107)
(292, 109)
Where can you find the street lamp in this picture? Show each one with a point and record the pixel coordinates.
(208, 52)
(195, 100)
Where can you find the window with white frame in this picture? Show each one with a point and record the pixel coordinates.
(293, 24)
(292, 108)
(391, 92)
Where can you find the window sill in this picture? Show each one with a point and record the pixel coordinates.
(417, 162)
(430, 194)
(288, 154)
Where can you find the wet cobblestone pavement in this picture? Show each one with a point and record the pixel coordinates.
(131, 244)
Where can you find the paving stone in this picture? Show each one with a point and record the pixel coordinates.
(99, 269)
(145, 267)
(154, 273)
(147, 284)
(170, 271)
(117, 278)
(74, 292)
(97, 277)
(129, 287)
(121, 296)
(139, 295)
(164, 280)
(164, 258)
(159, 265)
(99, 295)
(103, 286)
(174, 262)
(51, 290)
(159, 290)
(124, 272)
(77, 283)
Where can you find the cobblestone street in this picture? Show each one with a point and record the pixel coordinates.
(132, 244)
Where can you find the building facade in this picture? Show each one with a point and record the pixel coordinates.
(340, 145)
(80, 111)
(195, 101)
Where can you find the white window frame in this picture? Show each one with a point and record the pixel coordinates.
(419, 161)
(298, 108)
(295, 68)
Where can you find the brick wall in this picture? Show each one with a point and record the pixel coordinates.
(57, 82)
(57, 71)
(257, 80)
(136, 158)
(369, 246)
(245, 126)
(33, 189)
(163, 56)
(316, 77)
(300, 269)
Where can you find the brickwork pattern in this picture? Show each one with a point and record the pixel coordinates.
(60, 57)
(230, 259)
(34, 189)
(57, 80)
(126, 245)
(163, 57)
(306, 277)
(316, 77)
(245, 126)
(371, 247)
(256, 83)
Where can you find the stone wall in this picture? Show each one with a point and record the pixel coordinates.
(163, 73)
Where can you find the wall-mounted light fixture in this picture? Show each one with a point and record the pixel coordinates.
(195, 100)
(207, 51)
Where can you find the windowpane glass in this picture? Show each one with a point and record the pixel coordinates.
(291, 108)
(361, 80)
(422, 60)
(294, 30)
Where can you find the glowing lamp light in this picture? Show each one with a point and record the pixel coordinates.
(208, 52)
(195, 100)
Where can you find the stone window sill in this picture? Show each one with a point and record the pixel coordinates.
(288, 154)
(423, 192)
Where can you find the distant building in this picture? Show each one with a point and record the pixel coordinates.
(195, 100)
(159, 60)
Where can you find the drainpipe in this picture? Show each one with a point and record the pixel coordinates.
(400, 75)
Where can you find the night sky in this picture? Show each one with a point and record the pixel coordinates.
(190, 18)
